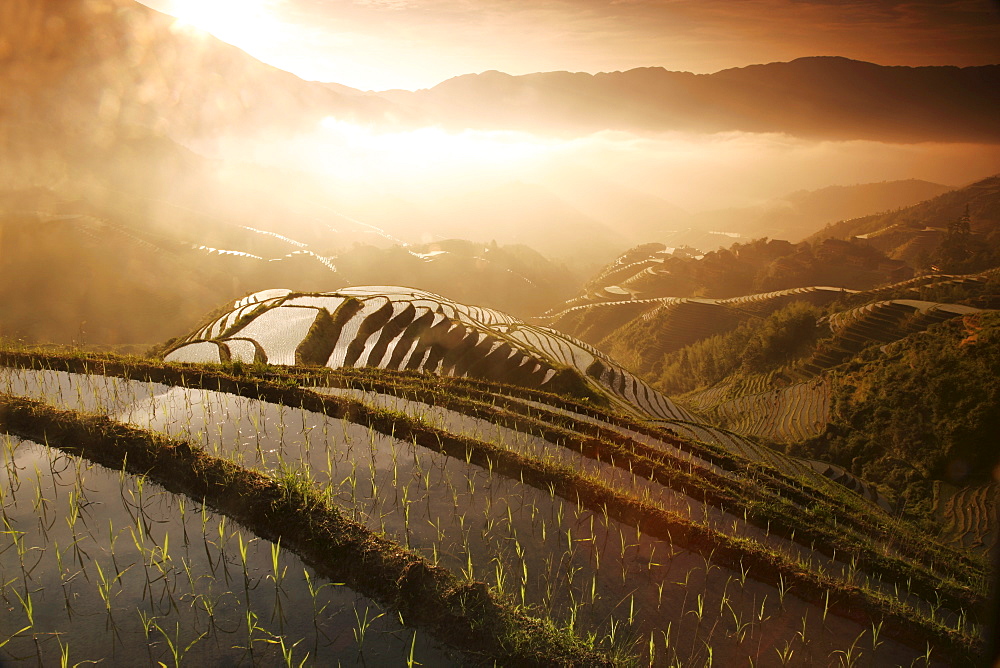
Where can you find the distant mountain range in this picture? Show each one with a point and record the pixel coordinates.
(818, 97)
(120, 64)
(136, 138)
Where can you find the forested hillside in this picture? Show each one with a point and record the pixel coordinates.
(918, 410)
(958, 231)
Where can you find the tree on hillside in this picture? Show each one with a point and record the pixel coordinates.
(956, 248)
(964, 251)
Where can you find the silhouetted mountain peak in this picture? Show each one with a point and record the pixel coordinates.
(116, 63)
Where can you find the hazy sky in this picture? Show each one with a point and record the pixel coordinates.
(380, 44)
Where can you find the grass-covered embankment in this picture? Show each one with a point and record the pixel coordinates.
(767, 498)
(827, 593)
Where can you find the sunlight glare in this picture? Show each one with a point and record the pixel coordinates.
(433, 149)
(234, 21)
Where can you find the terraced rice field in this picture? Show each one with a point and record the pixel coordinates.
(681, 321)
(621, 272)
(663, 546)
(645, 280)
(787, 414)
(593, 322)
(844, 477)
(398, 328)
(302, 253)
(380, 327)
(768, 302)
(888, 313)
(791, 413)
(970, 515)
(278, 332)
(878, 322)
(914, 284)
(103, 565)
(759, 304)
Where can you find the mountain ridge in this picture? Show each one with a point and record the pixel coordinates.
(856, 100)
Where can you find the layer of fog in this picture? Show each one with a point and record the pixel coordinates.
(427, 183)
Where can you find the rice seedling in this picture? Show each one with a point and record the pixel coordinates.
(124, 576)
(563, 545)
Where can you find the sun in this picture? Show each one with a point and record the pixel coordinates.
(233, 21)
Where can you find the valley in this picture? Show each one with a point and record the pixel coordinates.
(666, 361)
